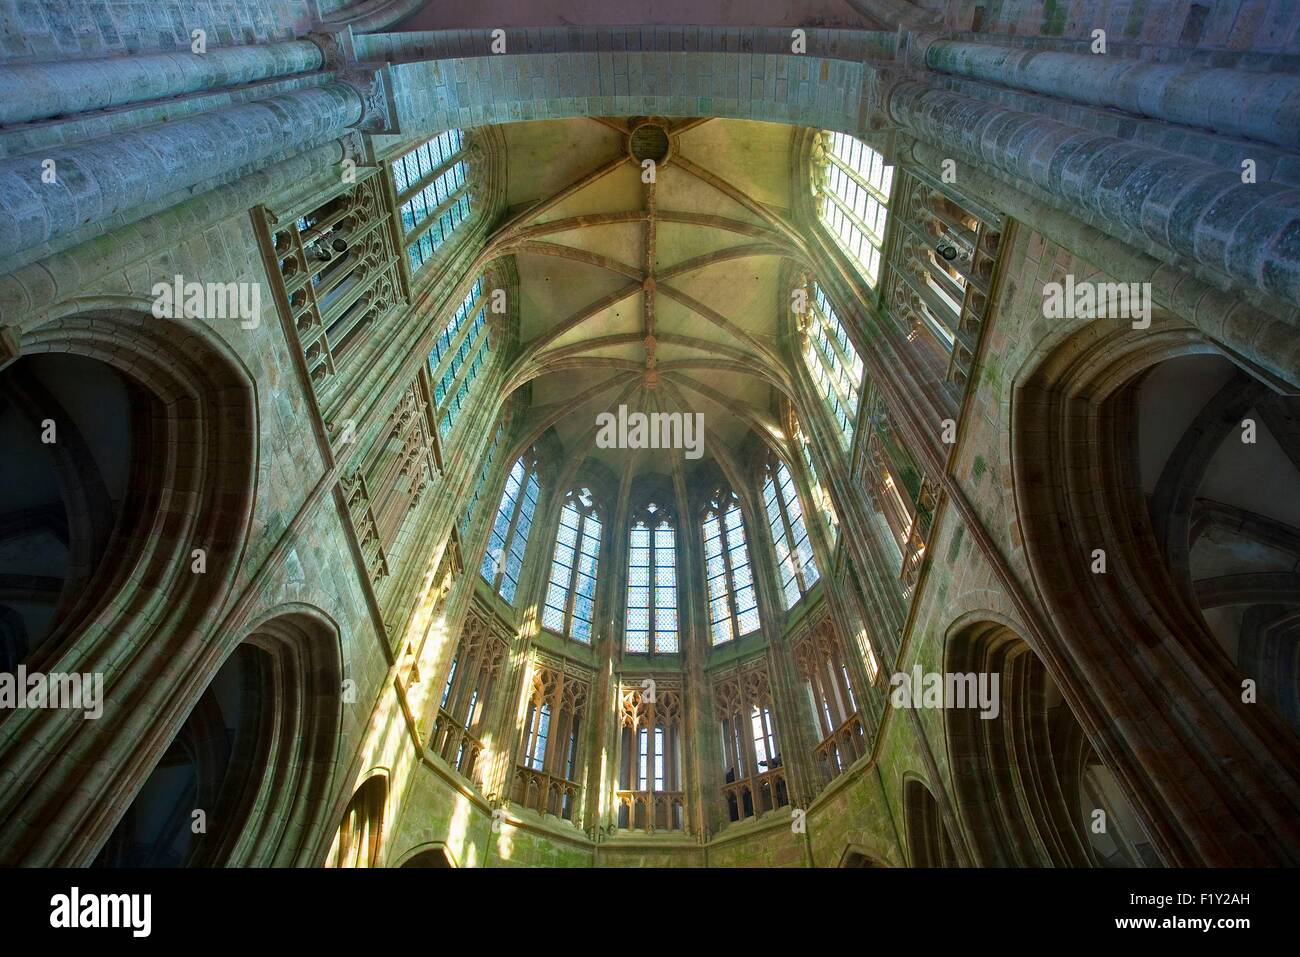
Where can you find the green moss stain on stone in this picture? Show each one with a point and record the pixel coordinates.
(1054, 13)
(955, 547)
(1137, 15)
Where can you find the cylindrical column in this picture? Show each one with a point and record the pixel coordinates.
(1248, 231)
(101, 178)
(33, 91)
(1261, 106)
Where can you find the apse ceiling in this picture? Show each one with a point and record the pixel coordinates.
(660, 296)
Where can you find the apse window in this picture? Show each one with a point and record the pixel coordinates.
(571, 593)
(433, 194)
(820, 495)
(733, 603)
(834, 363)
(504, 558)
(794, 556)
(854, 185)
(460, 352)
(651, 622)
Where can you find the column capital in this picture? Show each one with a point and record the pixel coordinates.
(881, 83)
(913, 47)
(374, 86)
(336, 47)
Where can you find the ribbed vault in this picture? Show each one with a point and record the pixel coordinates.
(652, 285)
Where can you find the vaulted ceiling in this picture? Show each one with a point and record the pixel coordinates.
(661, 296)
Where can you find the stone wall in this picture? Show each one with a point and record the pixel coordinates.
(1263, 26)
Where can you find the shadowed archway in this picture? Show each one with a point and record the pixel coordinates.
(1147, 681)
(254, 761)
(1019, 769)
(191, 483)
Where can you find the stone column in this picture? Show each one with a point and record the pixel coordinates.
(104, 178)
(1261, 106)
(33, 91)
(1246, 232)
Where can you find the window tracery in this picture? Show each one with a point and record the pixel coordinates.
(551, 759)
(651, 623)
(820, 657)
(941, 274)
(795, 563)
(334, 273)
(432, 184)
(504, 559)
(753, 770)
(898, 490)
(571, 592)
(651, 793)
(461, 350)
(733, 602)
(831, 358)
(853, 182)
(466, 694)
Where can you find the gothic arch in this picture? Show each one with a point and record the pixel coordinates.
(256, 755)
(928, 842)
(866, 851)
(1019, 775)
(77, 444)
(435, 854)
(1219, 461)
(194, 482)
(360, 838)
(1138, 666)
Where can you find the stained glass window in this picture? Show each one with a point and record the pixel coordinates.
(504, 559)
(733, 603)
(834, 363)
(651, 622)
(571, 592)
(794, 556)
(856, 205)
(433, 194)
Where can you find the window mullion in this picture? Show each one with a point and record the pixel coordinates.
(747, 722)
(515, 512)
(789, 530)
(857, 177)
(846, 360)
(450, 395)
(867, 231)
(652, 572)
(432, 216)
(832, 376)
(571, 596)
(412, 190)
(729, 572)
(462, 335)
